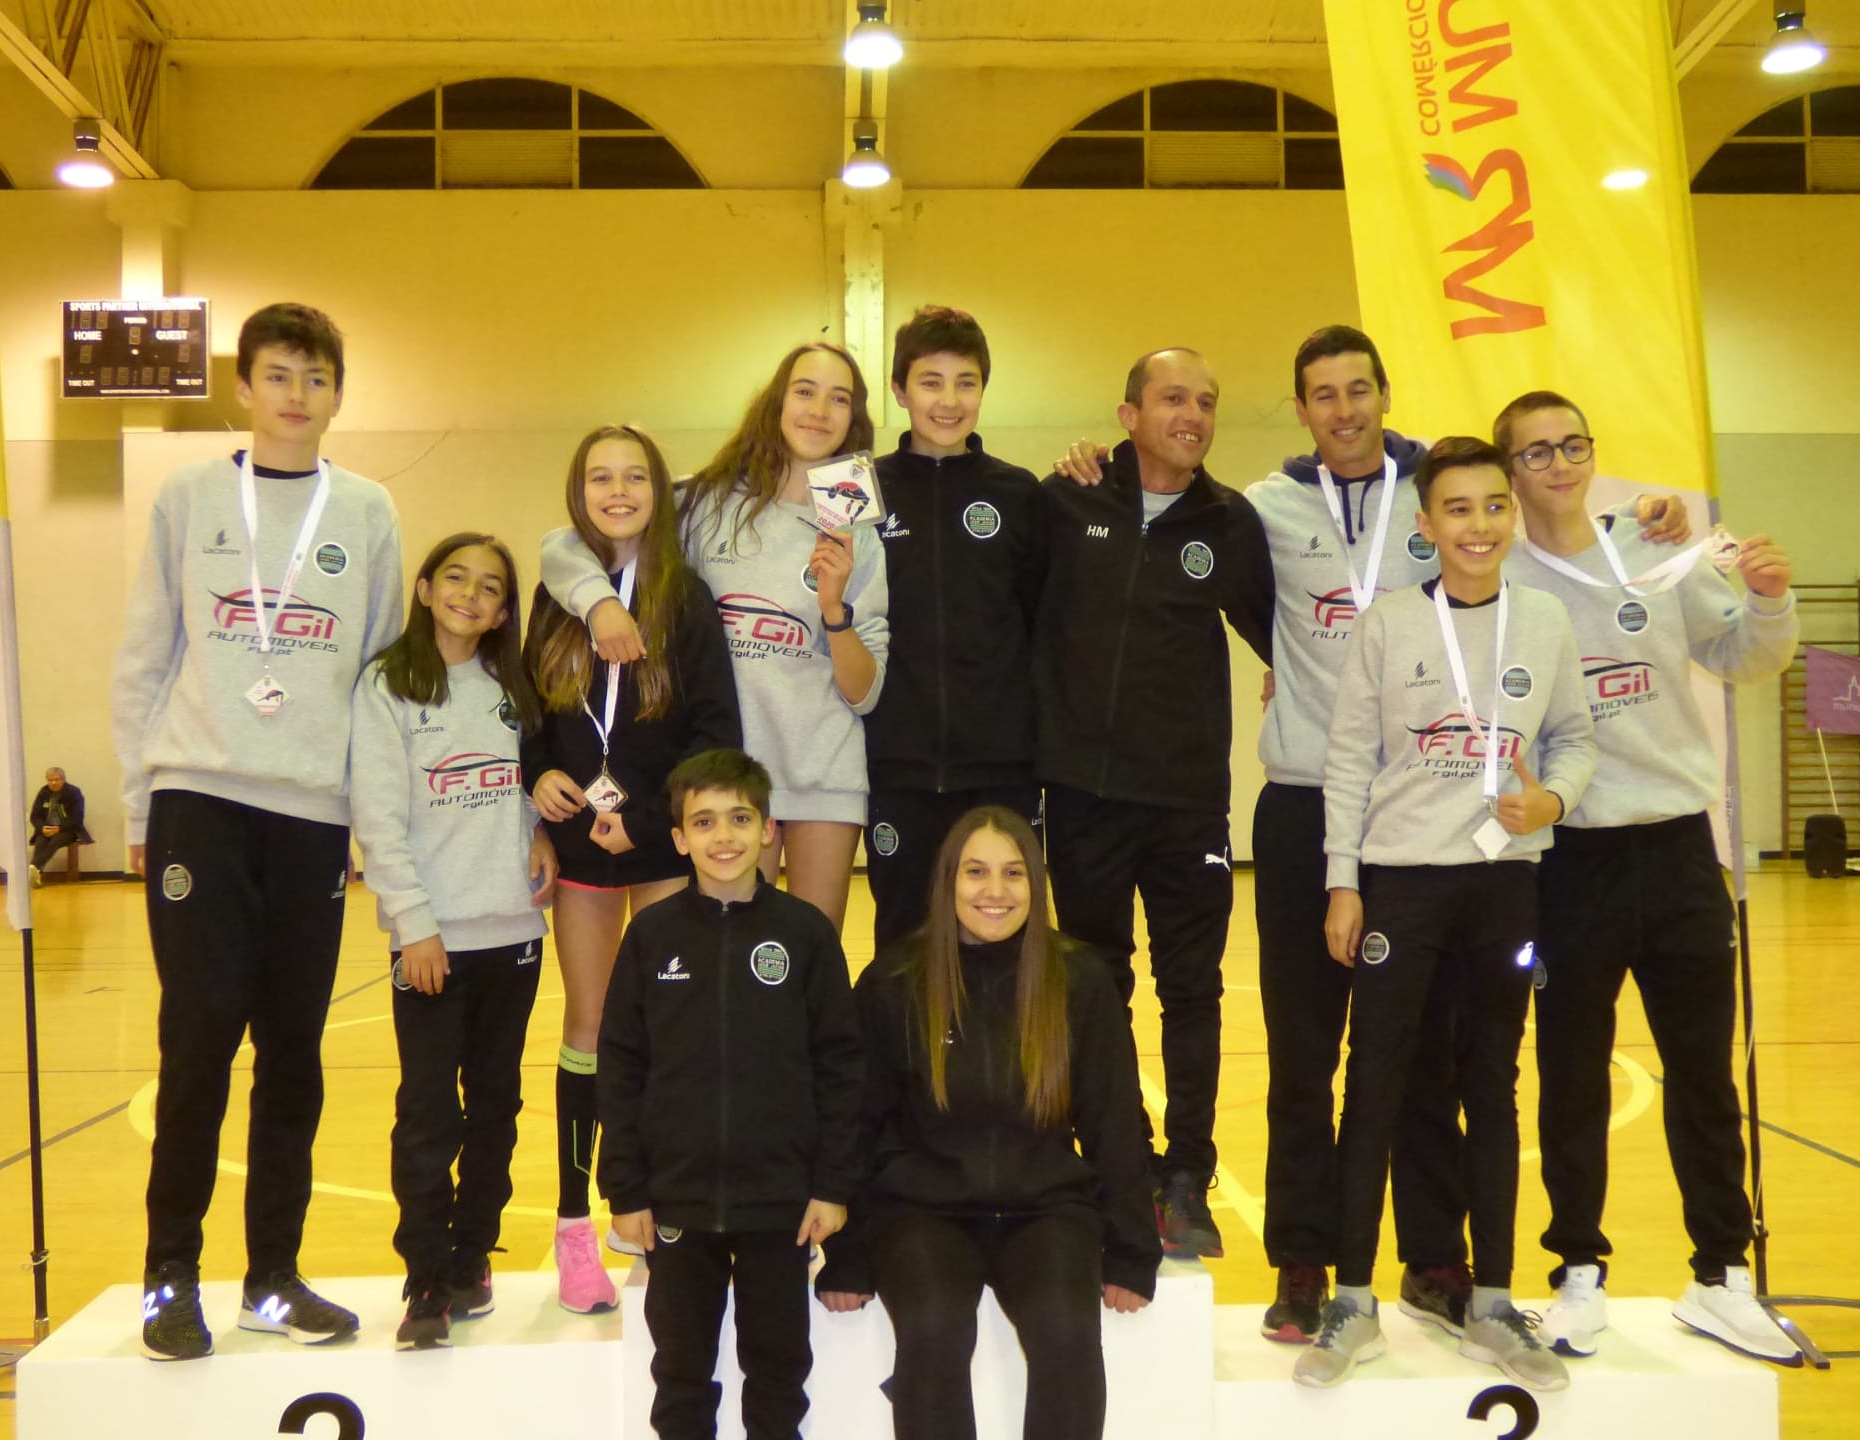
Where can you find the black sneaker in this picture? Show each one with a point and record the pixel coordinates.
(468, 1284)
(172, 1326)
(1438, 1294)
(427, 1324)
(1187, 1227)
(284, 1305)
(1293, 1318)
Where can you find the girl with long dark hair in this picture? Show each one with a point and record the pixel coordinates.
(460, 871)
(610, 734)
(1004, 1142)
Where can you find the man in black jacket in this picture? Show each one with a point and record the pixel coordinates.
(964, 558)
(1135, 724)
(729, 1079)
(57, 820)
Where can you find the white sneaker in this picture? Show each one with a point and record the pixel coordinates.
(1578, 1314)
(1731, 1314)
(1346, 1337)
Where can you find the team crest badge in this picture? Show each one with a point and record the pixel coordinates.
(982, 520)
(1197, 560)
(768, 962)
(1376, 948)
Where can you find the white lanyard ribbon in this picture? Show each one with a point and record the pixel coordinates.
(1363, 591)
(1657, 581)
(1456, 662)
(605, 727)
(248, 507)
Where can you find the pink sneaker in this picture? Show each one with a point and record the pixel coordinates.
(585, 1287)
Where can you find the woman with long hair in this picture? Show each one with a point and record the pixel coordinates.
(610, 734)
(805, 611)
(1004, 1141)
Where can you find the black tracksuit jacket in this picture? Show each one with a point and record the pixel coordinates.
(730, 1065)
(964, 557)
(703, 716)
(1131, 677)
(984, 1156)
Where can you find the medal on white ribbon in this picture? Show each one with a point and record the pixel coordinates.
(1491, 837)
(268, 697)
(604, 793)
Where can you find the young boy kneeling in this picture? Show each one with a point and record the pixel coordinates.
(730, 1076)
(1447, 685)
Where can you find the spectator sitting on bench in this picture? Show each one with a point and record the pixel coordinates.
(57, 821)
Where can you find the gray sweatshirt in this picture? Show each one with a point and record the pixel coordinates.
(1657, 759)
(795, 721)
(1402, 780)
(190, 643)
(441, 815)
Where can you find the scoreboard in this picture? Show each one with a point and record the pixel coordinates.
(136, 349)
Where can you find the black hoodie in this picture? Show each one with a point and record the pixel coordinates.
(730, 1064)
(964, 557)
(1131, 679)
(984, 1155)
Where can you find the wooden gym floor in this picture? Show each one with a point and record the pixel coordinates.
(97, 997)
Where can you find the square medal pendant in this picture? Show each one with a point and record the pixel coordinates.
(604, 795)
(267, 696)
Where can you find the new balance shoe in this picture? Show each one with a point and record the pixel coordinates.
(1437, 1294)
(1731, 1314)
(584, 1286)
(282, 1304)
(1346, 1338)
(1578, 1313)
(1188, 1228)
(173, 1327)
(1294, 1316)
(468, 1284)
(427, 1324)
(619, 1244)
(1504, 1339)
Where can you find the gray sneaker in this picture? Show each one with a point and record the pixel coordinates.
(1346, 1337)
(1504, 1339)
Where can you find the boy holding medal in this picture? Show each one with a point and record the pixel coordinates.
(1633, 883)
(268, 579)
(1434, 820)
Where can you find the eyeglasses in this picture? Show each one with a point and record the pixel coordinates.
(1576, 449)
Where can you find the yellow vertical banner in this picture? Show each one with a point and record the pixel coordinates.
(1490, 149)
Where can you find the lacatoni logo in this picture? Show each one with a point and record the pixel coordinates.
(295, 623)
(758, 627)
(1197, 560)
(1451, 747)
(982, 520)
(674, 970)
(768, 962)
(1315, 549)
(893, 528)
(219, 546)
(472, 779)
(1614, 685)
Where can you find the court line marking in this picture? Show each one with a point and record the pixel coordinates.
(65, 1134)
(1774, 1129)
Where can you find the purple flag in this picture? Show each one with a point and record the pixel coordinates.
(1833, 691)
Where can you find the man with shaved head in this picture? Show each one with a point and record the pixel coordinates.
(1135, 726)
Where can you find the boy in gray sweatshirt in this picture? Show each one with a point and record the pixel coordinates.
(1633, 883)
(268, 578)
(1455, 694)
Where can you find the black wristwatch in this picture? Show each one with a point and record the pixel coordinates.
(845, 623)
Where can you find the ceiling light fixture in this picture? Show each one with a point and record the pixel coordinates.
(1625, 180)
(865, 168)
(1792, 49)
(85, 170)
(873, 45)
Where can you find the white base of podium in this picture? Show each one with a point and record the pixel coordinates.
(1650, 1377)
(1157, 1376)
(531, 1368)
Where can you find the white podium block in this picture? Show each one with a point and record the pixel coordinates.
(1651, 1376)
(1158, 1375)
(528, 1368)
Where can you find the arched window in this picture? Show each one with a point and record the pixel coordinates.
(507, 133)
(1197, 134)
(1803, 146)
